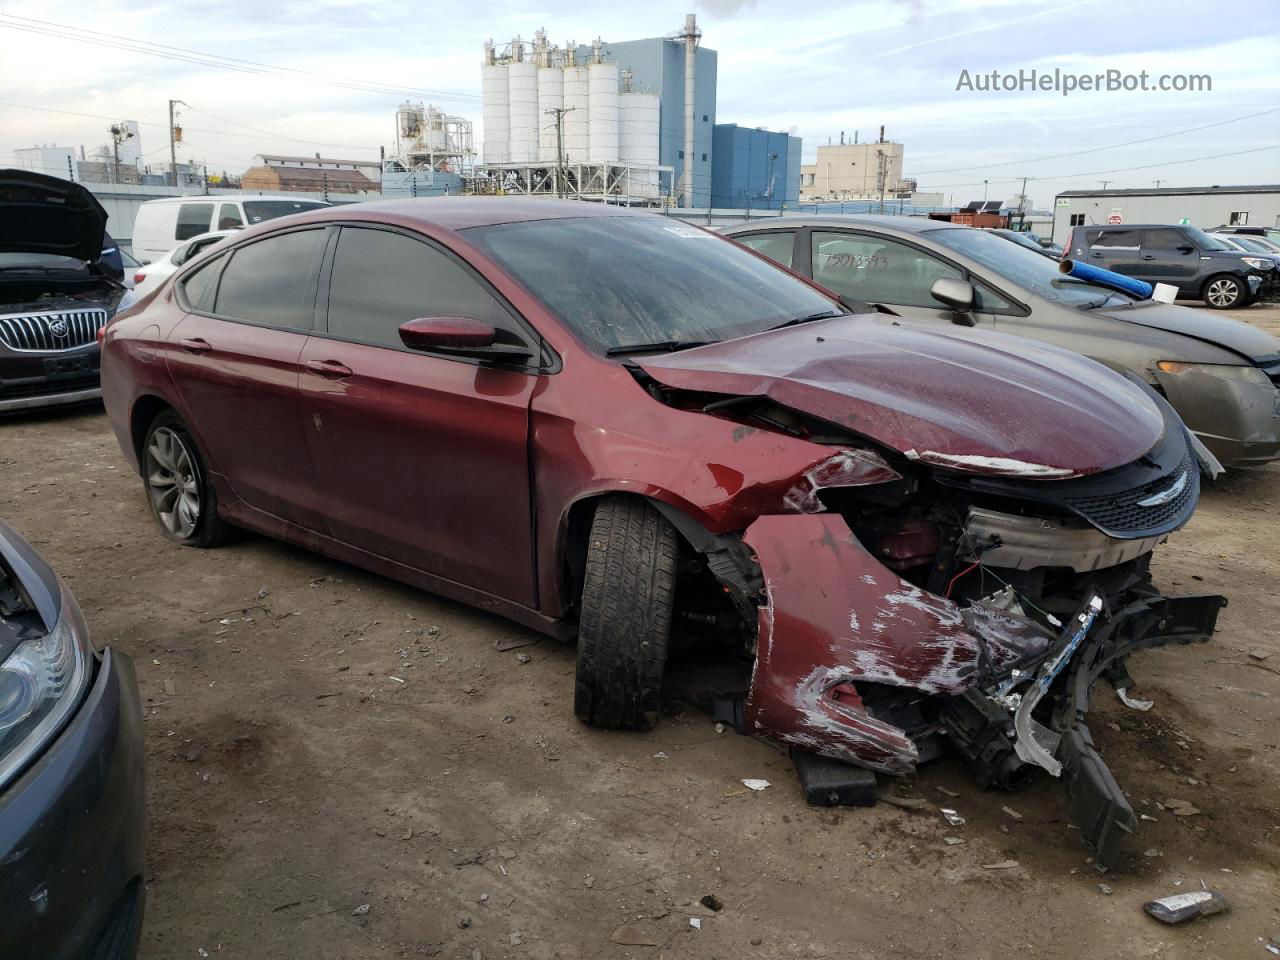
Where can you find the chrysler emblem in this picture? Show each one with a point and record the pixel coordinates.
(58, 328)
(1169, 493)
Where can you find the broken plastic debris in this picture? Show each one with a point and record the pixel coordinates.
(754, 784)
(1105, 889)
(695, 922)
(1002, 865)
(1133, 703)
(1012, 812)
(361, 910)
(953, 818)
(952, 841)
(1181, 808)
(1184, 906)
(660, 755)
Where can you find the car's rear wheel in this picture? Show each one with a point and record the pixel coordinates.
(1224, 293)
(627, 598)
(179, 492)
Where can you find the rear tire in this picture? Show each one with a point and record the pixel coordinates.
(627, 599)
(179, 492)
(1225, 293)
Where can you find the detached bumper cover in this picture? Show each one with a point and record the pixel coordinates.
(71, 834)
(835, 618)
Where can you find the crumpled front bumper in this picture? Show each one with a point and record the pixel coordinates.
(836, 618)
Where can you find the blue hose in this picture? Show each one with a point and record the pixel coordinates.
(1106, 278)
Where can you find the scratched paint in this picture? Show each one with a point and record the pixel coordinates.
(997, 466)
(848, 468)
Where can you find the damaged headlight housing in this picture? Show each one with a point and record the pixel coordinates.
(1258, 263)
(41, 684)
(1223, 371)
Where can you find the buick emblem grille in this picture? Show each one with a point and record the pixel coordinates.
(58, 327)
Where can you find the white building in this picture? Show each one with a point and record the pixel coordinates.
(47, 159)
(1203, 207)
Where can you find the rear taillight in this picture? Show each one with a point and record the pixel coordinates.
(139, 277)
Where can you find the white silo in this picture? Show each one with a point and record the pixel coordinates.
(577, 121)
(522, 76)
(496, 109)
(603, 108)
(550, 100)
(639, 115)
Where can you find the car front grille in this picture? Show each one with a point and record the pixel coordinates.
(49, 332)
(1123, 513)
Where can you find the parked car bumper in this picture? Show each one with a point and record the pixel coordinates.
(1239, 422)
(30, 380)
(71, 833)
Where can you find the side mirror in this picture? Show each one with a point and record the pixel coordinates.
(956, 294)
(460, 336)
(1186, 248)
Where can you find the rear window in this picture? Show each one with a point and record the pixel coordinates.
(777, 245)
(193, 220)
(197, 287)
(272, 281)
(260, 210)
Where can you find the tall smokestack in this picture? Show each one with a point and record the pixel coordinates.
(882, 133)
(690, 37)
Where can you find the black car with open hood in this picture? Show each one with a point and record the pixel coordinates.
(54, 294)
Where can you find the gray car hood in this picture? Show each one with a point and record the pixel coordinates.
(1226, 332)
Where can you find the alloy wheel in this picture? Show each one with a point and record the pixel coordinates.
(172, 482)
(1222, 293)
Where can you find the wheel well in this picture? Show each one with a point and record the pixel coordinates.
(1227, 276)
(145, 410)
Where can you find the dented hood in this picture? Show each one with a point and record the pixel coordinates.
(42, 214)
(975, 403)
(1238, 336)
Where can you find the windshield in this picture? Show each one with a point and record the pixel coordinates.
(1254, 244)
(259, 210)
(625, 281)
(1204, 241)
(1023, 266)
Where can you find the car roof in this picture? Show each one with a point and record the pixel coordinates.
(886, 221)
(459, 213)
(232, 198)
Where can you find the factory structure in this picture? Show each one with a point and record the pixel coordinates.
(631, 122)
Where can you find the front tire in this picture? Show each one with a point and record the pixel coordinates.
(627, 599)
(1225, 293)
(179, 493)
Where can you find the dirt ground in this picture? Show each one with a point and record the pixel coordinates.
(320, 739)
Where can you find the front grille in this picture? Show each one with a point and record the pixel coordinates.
(46, 388)
(1121, 513)
(50, 332)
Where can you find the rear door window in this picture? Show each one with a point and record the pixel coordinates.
(877, 270)
(1125, 239)
(229, 217)
(777, 245)
(193, 220)
(382, 279)
(273, 281)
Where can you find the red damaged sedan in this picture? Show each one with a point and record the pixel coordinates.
(613, 426)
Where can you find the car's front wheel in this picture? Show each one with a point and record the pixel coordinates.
(627, 598)
(179, 492)
(1224, 293)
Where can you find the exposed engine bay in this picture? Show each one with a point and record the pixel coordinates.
(904, 609)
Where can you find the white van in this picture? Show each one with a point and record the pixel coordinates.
(162, 224)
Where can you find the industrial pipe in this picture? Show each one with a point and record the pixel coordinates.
(690, 59)
(1106, 278)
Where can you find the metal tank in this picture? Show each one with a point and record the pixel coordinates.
(603, 108)
(522, 77)
(496, 108)
(639, 116)
(550, 100)
(577, 99)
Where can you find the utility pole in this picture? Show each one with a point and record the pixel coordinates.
(984, 193)
(1158, 182)
(880, 173)
(1104, 183)
(173, 152)
(1022, 206)
(561, 173)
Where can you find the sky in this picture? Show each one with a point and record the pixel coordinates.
(816, 70)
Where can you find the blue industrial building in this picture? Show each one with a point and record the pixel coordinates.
(657, 66)
(753, 168)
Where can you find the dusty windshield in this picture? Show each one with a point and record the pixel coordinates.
(1025, 267)
(623, 281)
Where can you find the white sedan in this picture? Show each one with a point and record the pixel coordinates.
(149, 276)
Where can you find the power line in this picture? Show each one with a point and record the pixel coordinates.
(217, 61)
(1110, 146)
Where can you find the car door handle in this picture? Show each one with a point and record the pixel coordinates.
(1148, 256)
(331, 369)
(195, 345)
